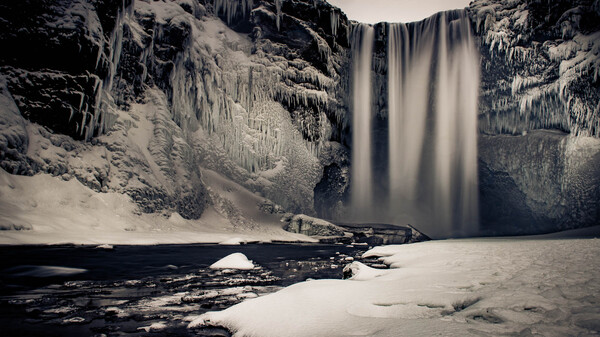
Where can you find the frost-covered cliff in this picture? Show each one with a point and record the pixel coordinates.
(144, 97)
(182, 104)
(540, 71)
(540, 65)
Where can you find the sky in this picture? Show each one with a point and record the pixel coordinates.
(373, 11)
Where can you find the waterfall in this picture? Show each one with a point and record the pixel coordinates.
(361, 183)
(433, 85)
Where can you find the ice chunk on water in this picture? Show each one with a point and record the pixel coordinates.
(43, 271)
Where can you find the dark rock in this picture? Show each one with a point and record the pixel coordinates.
(310, 226)
(542, 182)
(383, 234)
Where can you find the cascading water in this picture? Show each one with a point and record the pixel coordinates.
(433, 125)
(362, 53)
(432, 87)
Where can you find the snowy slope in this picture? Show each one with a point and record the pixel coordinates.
(45, 210)
(467, 287)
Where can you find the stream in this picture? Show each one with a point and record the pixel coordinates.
(146, 290)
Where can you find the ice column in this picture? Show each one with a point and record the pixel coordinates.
(278, 4)
(362, 53)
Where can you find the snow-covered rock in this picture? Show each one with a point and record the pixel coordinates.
(540, 69)
(540, 182)
(154, 327)
(540, 65)
(311, 226)
(359, 272)
(162, 88)
(233, 261)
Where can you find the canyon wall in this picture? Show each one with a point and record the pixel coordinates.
(141, 97)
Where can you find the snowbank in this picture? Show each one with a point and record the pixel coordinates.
(361, 272)
(233, 242)
(469, 287)
(43, 209)
(233, 261)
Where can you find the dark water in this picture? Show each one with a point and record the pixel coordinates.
(122, 292)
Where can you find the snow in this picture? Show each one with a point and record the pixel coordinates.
(233, 261)
(466, 287)
(362, 272)
(43, 209)
(542, 101)
(154, 327)
(233, 242)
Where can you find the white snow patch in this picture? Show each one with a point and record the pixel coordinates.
(362, 272)
(154, 327)
(467, 287)
(47, 210)
(233, 261)
(233, 242)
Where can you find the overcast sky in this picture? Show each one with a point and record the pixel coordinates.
(373, 11)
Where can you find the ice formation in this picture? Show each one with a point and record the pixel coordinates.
(98, 119)
(539, 99)
(335, 21)
(233, 9)
(278, 4)
(230, 95)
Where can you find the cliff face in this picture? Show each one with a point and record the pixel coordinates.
(142, 97)
(540, 67)
(139, 98)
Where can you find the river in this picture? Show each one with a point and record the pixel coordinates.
(132, 290)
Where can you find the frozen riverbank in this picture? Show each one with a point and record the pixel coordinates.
(532, 286)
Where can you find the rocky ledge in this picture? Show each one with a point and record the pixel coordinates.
(370, 233)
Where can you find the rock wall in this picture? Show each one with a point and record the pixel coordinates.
(539, 182)
(141, 97)
(540, 67)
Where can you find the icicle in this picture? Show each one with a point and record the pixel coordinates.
(334, 17)
(231, 9)
(278, 4)
(102, 87)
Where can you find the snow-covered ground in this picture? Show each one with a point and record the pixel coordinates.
(469, 287)
(45, 210)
